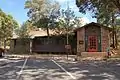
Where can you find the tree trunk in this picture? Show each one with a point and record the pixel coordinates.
(0, 42)
(116, 41)
(67, 39)
(113, 38)
(5, 45)
(30, 46)
(48, 34)
(113, 30)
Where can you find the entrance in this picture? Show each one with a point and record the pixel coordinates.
(92, 44)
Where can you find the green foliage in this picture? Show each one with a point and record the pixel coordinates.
(118, 27)
(118, 22)
(94, 5)
(65, 22)
(24, 30)
(43, 13)
(23, 39)
(7, 26)
(102, 9)
(77, 22)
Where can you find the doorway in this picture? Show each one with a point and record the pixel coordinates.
(92, 44)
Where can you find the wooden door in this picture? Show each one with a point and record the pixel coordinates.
(92, 44)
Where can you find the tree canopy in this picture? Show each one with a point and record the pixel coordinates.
(42, 13)
(93, 4)
(66, 21)
(102, 9)
(7, 25)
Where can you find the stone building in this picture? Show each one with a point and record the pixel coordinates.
(93, 37)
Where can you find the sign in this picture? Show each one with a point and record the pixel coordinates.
(81, 41)
(68, 46)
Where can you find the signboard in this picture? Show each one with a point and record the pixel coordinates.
(68, 46)
(81, 41)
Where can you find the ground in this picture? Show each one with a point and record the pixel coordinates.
(53, 69)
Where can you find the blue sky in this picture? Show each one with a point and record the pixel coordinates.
(16, 9)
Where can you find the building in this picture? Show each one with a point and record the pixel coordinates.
(93, 37)
(18, 45)
(39, 43)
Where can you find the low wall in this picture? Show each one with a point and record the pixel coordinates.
(94, 54)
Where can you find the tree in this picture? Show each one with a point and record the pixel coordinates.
(42, 13)
(66, 21)
(100, 8)
(93, 4)
(23, 31)
(117, 26)
(7, 26)
(105, 11)
(78, 22)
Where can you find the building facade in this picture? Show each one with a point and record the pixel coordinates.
(93, 37)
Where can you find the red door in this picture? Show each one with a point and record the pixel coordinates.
(92, 44)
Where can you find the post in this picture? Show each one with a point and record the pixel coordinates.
(113, 31)
(5, 51)
(67, 44)
(30, 46)
(68, 48)
(67, 26)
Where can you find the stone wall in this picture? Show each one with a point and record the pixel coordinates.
(80, 40)
(104, 39)
(93, 30)
(94, 54)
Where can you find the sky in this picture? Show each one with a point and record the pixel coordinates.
(16, 9)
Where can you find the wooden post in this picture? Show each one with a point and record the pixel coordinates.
(30, 46)
(68, 49)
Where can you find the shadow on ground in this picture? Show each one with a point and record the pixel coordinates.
(48, 70)
(94, 70)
